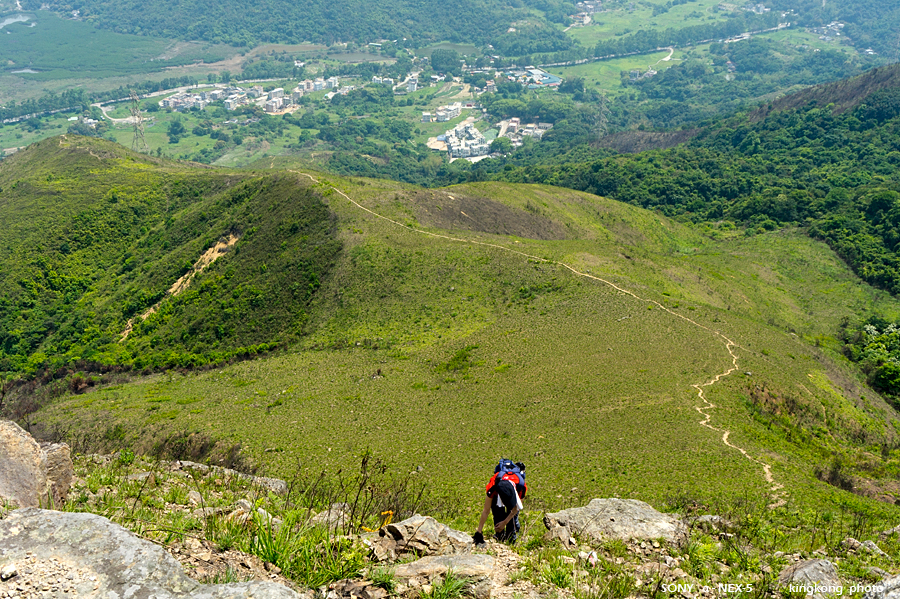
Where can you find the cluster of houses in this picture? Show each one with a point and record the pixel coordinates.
(235, 97)
(184, 101)
(466, 141)
(533, 78)
(412, 83)
(637, 75)
(589, 6)
(828, 32)
(443, 113)
(516, 131)
(757, 9)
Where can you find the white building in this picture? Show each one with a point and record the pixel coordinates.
(276, 93)
(448, 112)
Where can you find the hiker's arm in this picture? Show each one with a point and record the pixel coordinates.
(484, 513)
(507, 520)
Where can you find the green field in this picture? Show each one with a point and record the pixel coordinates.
(622, 20)
(605, 75)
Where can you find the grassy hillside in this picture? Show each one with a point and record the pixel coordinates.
(96, 237)
(571, 331)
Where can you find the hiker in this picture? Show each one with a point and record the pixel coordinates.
(505, 491)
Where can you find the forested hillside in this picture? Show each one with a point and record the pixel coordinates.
(104, 246)
(242, 24)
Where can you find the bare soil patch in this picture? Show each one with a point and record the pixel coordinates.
(451, 211)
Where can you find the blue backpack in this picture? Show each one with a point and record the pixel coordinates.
(509, 467)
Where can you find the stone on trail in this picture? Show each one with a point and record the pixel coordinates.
(624, 519)
(819, 575)
(474, 568)
(107, 560)
(422, 535)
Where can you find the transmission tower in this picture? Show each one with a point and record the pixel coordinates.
(138, 143)
(602, 118)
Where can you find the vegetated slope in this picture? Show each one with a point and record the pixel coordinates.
(447, 348)
(94, 235)
(843, 95)
(311, 20)
(832, 169)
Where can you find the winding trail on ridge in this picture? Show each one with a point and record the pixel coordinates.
(774, 489)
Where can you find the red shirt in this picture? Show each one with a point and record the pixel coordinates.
(491, 487)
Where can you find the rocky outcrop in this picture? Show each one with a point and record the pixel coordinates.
(817, 576)
(888, 588)
(32, 476)
(102, 559)
(22, 479)
(419, 535)
(624, 519)
(474, 569)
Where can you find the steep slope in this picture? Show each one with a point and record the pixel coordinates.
(96, 235)
(614, 350)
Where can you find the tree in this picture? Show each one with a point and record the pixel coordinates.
(502, 145)
(176, 130)
(445, 61)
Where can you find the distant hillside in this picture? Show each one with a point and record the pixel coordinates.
(468, 21)
(844, 95)
(632, 142)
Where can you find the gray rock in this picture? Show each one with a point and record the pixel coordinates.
(56, 460)
(23, 481)
(333, 517)
(819, 576)
(871, 547)
(851, 544)
(110, 560)
(624, 519)
(194, 497)
(424, 535)
(888, 588)
(206, 512)
(475, 568)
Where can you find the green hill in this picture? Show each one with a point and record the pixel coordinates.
(443, 328)
(474, 21)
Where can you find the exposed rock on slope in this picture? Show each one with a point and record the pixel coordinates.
(105, 560)
(31, 475)
(624, 519)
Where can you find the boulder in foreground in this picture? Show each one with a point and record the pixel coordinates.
(105, 560)
(624, 519)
